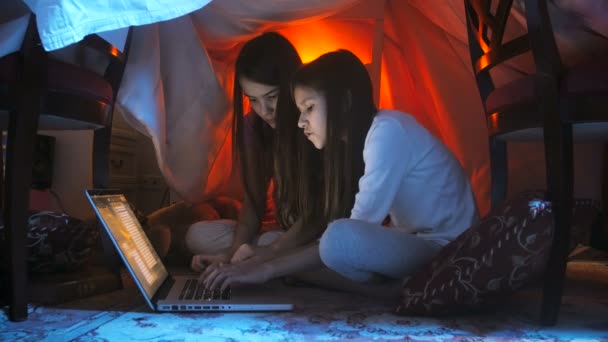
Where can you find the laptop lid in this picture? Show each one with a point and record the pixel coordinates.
(129, 238)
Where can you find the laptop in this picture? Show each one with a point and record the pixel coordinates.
(162, 291)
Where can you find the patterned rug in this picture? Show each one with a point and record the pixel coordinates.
(322, 315)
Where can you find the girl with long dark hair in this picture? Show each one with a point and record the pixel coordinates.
(268, 146)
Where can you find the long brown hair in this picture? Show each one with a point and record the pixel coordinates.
(344, 82)
(270, 59)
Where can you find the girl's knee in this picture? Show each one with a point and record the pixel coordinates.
(191, 239)
(332, 239)
(339, 227)
(209, 237)
(340, 230)
(332, 233)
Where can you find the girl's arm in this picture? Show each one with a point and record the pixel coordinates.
(297, 235)
(247, 226)
(250, 216)
(305, 258)
(383, 170)
(246, 229)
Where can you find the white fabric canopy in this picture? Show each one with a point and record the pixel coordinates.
(177, 83)
(178, 95)
(64, 22)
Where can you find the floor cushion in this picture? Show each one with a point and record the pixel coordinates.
(499, 255)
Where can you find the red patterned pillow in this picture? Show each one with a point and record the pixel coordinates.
(494, 258)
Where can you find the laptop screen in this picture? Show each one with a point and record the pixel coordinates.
(130, 238)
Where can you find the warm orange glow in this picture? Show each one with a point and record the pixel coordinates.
(493, 120)
(482, 42)
(414, 78)
(483, 62)
(114, 51)
(386, 93)
(246, 105)
(313, 40)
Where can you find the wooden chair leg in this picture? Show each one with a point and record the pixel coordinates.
(559, 164)
(599, 230)
(1, 170)
(3, 253)
(101, 157)
(21, 138)
(101, 180)
(604, 229)
(499, 171)
(20, 149)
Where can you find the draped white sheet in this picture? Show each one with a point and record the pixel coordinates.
(177, 83)
(63, 22)
(178, 95)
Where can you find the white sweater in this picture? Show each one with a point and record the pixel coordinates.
(413, 177)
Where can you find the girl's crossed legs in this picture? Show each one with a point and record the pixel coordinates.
(362, 251)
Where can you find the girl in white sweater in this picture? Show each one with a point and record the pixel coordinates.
(402, 172)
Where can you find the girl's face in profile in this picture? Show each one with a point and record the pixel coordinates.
(313, 115)
(263, 99)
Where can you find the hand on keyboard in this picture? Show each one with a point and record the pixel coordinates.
(248, 272)
(201, 262)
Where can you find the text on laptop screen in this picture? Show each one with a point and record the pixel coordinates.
(132, 241)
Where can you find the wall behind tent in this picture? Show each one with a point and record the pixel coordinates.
(72, 172)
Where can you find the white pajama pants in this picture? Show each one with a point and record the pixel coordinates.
(212, 237)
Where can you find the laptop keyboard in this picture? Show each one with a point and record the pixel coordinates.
(194, 290)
